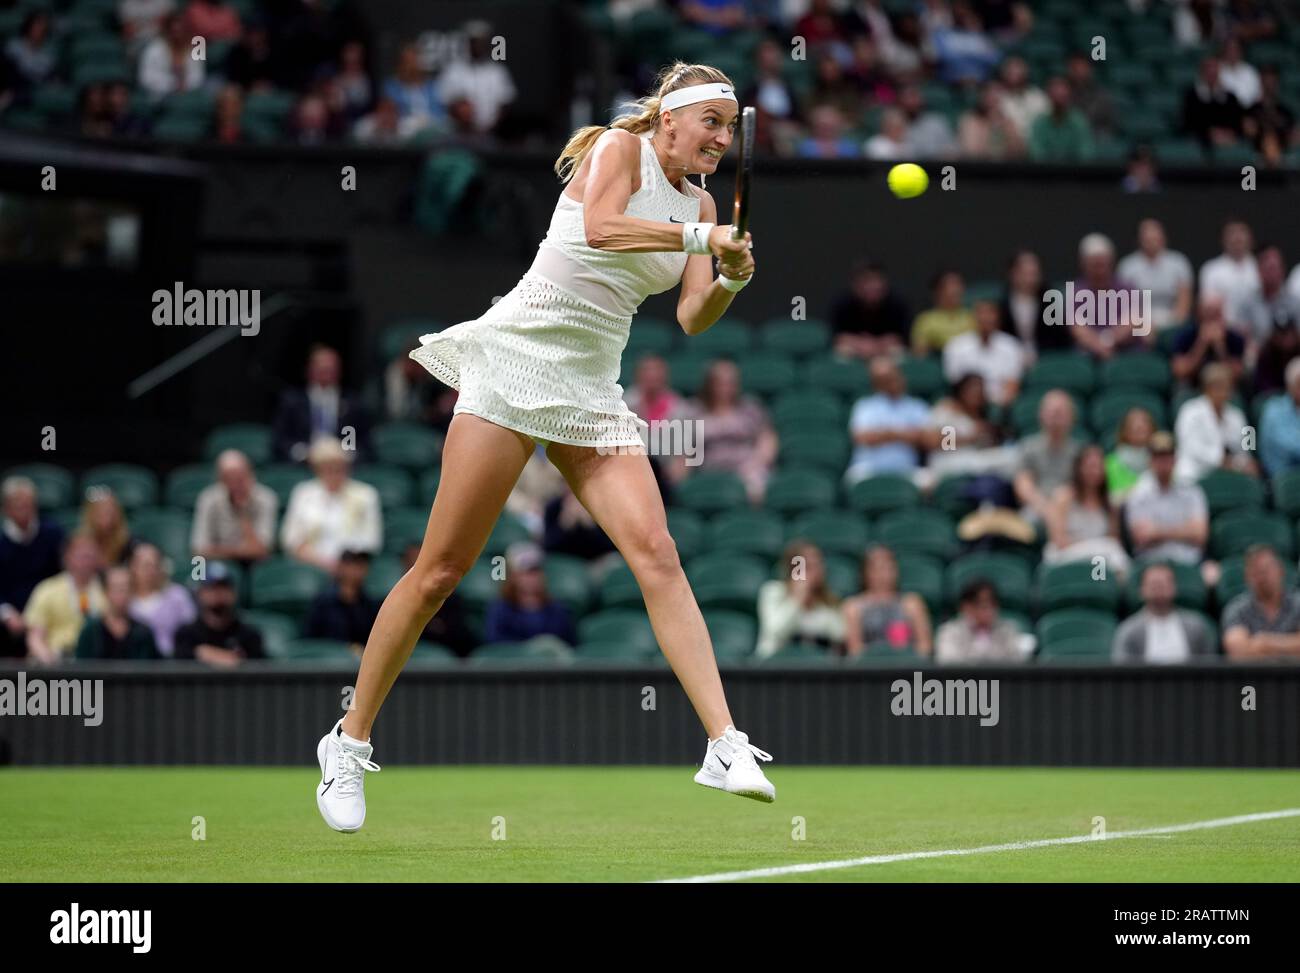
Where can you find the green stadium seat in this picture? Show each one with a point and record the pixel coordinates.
(747, 531)
(1071, 585)
(922, 575)
(710, 492)
(766, 373)
(619, 589)
(797, 411)
(799, 654)
(431, 653)
(427, 488)
(1191, 592)
(165, 528)
(185, 483)
(55, 486)
(1134, 75)
(1235, 530)
(949, 496)
(1144, 125)
(630, 627)
(1136, 371)
(54, 101)
(734, 634)
(844, 574)
(884, 493)
(924, 377)
(1179, 152)
(686, 370)
(796, 338)
(727, 580)
(1083, 648)
(1108, 408)
(251, 439)
(726, 339)
(1286, 493)
(407, 444)
(134, 486)
(395, 485)
(833, 531)
(814, 449)
(615, 651)
(181, 128)
(653, 336)
(479, 587)
(687, 529)
(568, 582)
(385, 571)
(404, 526)
(791, 492)
(918, 531)
(403, 336)
(508, 530)
(1010, 576)
(277, 631)
(543, 652)
(1230, 490)
(268, 105)
(102, 70)
(1073, 372)
(847, 376)
(1233, 155)
(281, 478)
(1075, 632)
(321, 652)
(283, 585)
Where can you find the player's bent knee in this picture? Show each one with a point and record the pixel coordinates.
(434, 583)
(654, 555)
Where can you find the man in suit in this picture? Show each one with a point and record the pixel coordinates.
(322, 409)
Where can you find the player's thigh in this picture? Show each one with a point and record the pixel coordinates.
(620, 492)
(481, 462)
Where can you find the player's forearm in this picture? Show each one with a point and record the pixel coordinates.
(701, 311)
(619, 233)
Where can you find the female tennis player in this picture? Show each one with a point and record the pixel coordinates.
(542, 366)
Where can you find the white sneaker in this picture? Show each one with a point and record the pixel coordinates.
(341, 794)
(729, 766)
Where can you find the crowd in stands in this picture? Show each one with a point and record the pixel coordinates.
(299, 71)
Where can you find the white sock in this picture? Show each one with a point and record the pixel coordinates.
(352, 742)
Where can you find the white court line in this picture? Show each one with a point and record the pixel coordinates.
(983, 849)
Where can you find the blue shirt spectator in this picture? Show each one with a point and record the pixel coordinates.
(890, 428)
(965, 54)
(525, 608)
(1279, 426)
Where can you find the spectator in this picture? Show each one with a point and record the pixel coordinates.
(538, 484)
(1165, 273)
(1248, 21)
(123, 121)
(1092, 99)
(215, 20)
(1279, 426)
(902, 53)
(31, 54)
(234, 518)
(1105, 324)
(414, 93)
(1167, 520)
(736, 427)
(963, 53)
(322, 409)
(30, 551)
(251, 64)
(167, 64)
(1131, 456)
(1270, 124)
(525, 608)
(799, 609)
(826, 138)
(1140, 172)
(102, 518)
(889, 428)
(893, 141)
(651, 396)
(831, 87)
(1081, 523)
(449, 626)
(1211, 112)
(989, 352)
(218, 637)
(869, 319)
(92, 110)
(869, 73)
(775, 99)
(569, 528)
(142, 20)
(1197, 22)
(1206, 341)
(949, 317)
(986, 132)
(387, 126)
(1047, 457)
(1275, 356)
(59, 606)
(1234, 274)
(344, 612)
(1272, 307)
(351, 91)
(1024, 305)
(822, 27)
(157, 602)
(312, 123)
(1211, 431)
(1020, 101)
(978, 633)
(228, 122)
(112, 634)
(1161, 633)
(717, 17)
(482, 80)
(968, 439)
(1062, 133)
(1237, 76)
(928, 133)
(880, 617)
(1263, 622)
(332, 513)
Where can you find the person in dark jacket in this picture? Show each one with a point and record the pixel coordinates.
(31, 550)
(114, 634)
(525, 608)
(321, 409)
(218, 637)
(344, 612)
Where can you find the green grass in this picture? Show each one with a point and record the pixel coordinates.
(633, 824)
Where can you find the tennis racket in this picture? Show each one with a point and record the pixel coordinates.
(744, 170)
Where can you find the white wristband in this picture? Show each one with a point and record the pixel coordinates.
(695, 237)
(734, 285)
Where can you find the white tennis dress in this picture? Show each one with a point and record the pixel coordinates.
(545, 359)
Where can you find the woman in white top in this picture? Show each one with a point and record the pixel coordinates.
(542, 365)
(331, 513)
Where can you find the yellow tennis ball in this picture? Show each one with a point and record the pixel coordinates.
(908, 180)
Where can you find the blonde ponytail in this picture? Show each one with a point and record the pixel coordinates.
(646, 117)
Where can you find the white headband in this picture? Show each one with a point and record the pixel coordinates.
(695, 92)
